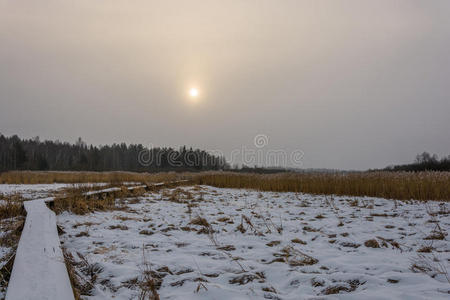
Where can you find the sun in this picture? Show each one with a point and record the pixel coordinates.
(193, 92)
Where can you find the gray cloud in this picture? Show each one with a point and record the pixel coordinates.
(353, 84)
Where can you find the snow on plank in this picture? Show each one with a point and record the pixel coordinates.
(118, 189)
(39, 271)
(114, 189)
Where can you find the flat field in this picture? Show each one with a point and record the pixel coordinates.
(201, 242)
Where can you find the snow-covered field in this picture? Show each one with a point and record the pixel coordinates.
(24, 191)
(209, 243)
(35, 191)
(10, 227)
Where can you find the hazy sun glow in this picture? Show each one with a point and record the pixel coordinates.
(193, 92)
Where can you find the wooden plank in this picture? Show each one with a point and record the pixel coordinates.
(39, 270)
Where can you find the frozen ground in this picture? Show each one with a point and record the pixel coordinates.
(262, 245)
(10, 228)
(24, 192)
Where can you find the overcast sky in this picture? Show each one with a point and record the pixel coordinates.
(352, 84)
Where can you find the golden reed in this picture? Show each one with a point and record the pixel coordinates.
(390, 185)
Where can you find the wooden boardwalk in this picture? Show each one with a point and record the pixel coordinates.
(39, 270)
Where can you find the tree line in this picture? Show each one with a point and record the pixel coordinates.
(424, 162)
(34, 154)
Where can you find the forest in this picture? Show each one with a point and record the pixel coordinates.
(424, 162)
(34, 154)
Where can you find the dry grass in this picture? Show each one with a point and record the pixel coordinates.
(74, 200)
(11, 207)
(11, 225)
(390, 185)
(11, 229)
(373, 243)
(35, 177)
(5, 273)
(200, 221)
(149, 281)
(82, 274)
(346, 286)
(74, 279)
(294, 257)
(80, 205)
(430, 265)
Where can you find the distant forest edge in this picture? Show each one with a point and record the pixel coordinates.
(33, 154)
(36, 155)
(424, 162)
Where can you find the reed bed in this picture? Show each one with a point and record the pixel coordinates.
(389, 185)
(37, 177)
(75, 200)
(79, 204)
(11, 206)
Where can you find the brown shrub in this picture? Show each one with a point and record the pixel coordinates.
(372, 243)
(11, 209)
(298, 241)
(200, 221)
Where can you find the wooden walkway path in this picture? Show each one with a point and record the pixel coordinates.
(39, 270)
